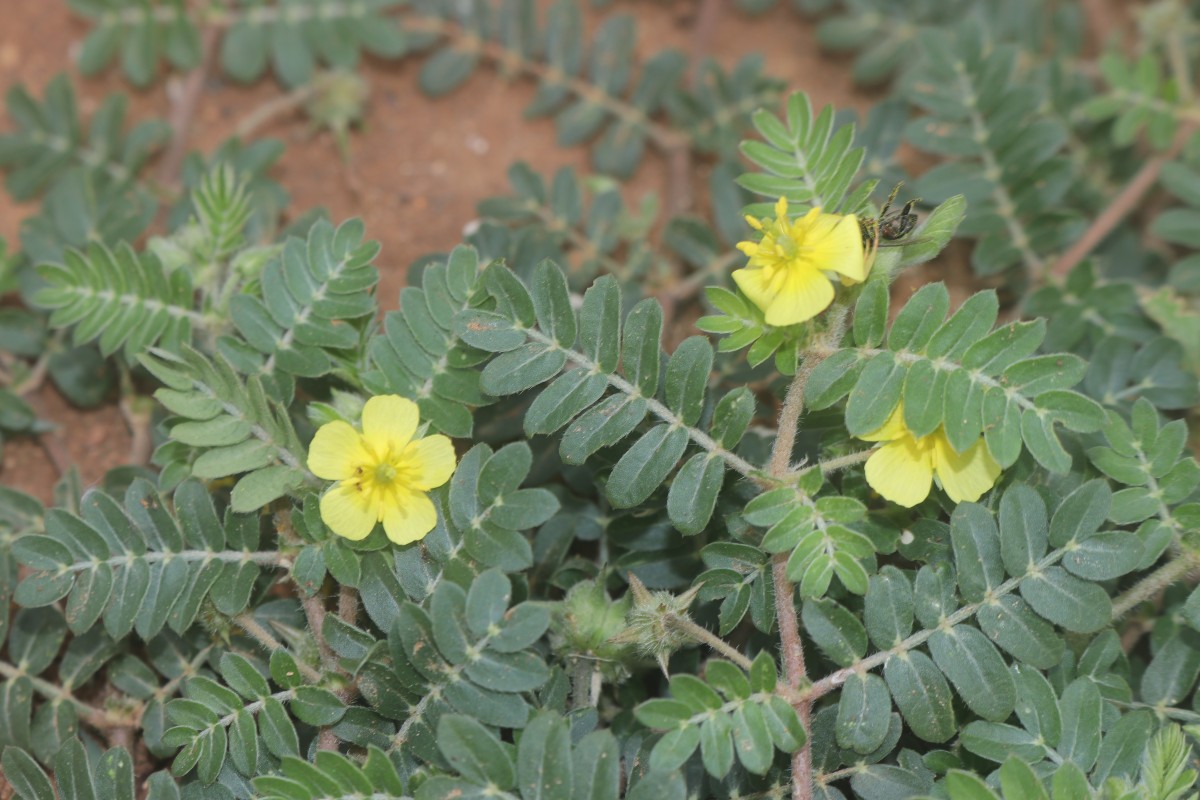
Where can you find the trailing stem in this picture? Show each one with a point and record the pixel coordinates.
(792, 649)
(1155, 582)
(1128, 199)
(99, 718)
(264, 637)
(187, 102)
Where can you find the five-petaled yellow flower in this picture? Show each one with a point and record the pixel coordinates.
(382, 474)
(903, 469)
(786, 276)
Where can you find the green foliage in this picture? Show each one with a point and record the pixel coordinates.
(887, 38)
(309, 308)
(112, 775)
(551, 760)
(251, 162)
(35, 643)
(50, 144)
(581, 87)
(333, 773)
(537, 334)
(886, 35)
(715, 110)
(1140, 98)
(1016, 589)
(87, 175)
(138, 565)
(558, 223)
(292, 38)
(590, 90)
(420, 355)
(224, 425)
(249, 720)
(222, 212)
(810, 163)
(124, 300)
(987, 127)
(730, 713)
(1149, 459)
(1175, 307)
(590, 87)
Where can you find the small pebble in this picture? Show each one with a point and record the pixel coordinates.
(477, 144)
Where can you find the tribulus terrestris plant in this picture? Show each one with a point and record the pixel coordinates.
(652, 501)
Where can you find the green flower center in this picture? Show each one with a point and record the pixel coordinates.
(788, 246)
(385, 472)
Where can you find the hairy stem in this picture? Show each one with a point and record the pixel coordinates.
(789, 423)
(834, 464)
(1155, 582)
(263, 636)
(792, 649)
(348, 604)
(703, 635)
(314, 612)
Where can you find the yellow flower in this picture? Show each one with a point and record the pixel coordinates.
(903, 469)
(382, 474)
(786, 274)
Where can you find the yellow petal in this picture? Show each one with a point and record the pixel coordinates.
(964, 476)
(348, 512)
(755, 283)
(410, 518)
(837, 245)
(893, 428)
(336, 451)
(754, 222)
(781, 207)
(901, 471)
(428, 462)
(804, 294)
(389, 422)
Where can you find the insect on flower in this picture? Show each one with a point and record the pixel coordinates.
(787, 274)
(890, 226)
